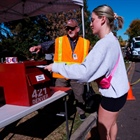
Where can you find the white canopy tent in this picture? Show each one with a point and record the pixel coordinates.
(17, 9)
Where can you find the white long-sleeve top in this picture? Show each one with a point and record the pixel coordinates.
(99, 62)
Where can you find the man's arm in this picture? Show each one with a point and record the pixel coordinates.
(47, 46)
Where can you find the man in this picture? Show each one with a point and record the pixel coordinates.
(69, 49)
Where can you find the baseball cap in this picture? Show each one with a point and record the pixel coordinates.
(71, 23)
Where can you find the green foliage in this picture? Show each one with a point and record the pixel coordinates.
(122, 42)
(134, 29)
(26, 33)
(88, 32)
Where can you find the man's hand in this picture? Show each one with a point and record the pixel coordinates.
(35, 49)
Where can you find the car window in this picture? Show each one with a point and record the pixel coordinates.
(137, 45)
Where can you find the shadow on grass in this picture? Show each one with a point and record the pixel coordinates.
(43, 123)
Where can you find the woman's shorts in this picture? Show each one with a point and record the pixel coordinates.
(113, 104)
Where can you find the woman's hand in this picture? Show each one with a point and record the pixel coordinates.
(49, 67)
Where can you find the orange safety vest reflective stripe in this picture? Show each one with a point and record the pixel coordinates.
(63, 52)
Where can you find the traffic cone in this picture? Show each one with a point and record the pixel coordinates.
(130, 95)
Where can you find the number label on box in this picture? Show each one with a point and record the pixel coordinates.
(39, 95)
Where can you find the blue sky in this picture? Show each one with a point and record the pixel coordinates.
(128, 9)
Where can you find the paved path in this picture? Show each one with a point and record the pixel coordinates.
(129, 118)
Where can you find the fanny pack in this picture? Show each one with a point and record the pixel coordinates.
(105, 82)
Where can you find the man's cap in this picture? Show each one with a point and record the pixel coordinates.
(71, 23)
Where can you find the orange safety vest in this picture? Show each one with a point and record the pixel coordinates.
(63, 52)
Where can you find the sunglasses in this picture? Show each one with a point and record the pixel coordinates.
(70, 28)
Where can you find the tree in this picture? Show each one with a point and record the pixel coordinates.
(134, 29)
(25, 33)
(121, 41)
(88, 32)
(35, 30)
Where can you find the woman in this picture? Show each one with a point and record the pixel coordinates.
(100, 62)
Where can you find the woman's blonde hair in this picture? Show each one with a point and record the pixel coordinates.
(113, 20)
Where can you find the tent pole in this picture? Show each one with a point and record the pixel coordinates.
(83, 26)
(83, 23)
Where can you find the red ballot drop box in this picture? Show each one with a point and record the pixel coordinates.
(23, 83)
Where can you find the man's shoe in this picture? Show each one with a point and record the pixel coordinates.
(82, 117)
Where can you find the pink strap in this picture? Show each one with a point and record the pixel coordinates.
(112, 72)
